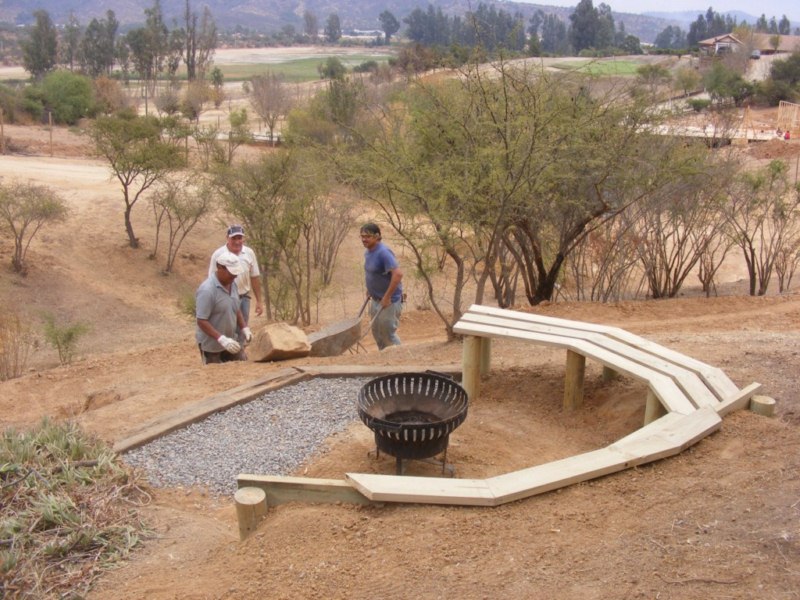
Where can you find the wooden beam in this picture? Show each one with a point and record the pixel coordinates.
(609, 374)
(427, 490)
(653, 409)
(573, 380)
(486, 356)
(280, 490)
(739, 400)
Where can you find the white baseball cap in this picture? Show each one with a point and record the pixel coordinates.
(231, 262)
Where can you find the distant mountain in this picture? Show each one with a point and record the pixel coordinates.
(687, 17)
(272, 15)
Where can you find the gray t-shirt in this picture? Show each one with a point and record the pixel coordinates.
(215, 305)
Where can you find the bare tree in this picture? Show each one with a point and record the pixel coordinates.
(762, 211)
(270, 99)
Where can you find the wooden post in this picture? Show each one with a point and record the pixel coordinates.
(50, 122)
(2, 134)
(763, 405)
(471, 366)
(653, 409)
(251, 507)
(573, 382)
(486, 356)
(609, 374)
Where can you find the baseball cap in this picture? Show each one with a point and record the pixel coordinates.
(231, 262)
(235, 230)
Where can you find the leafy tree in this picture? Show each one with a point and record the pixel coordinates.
(67, 95)
(653, 77)
(199, 42)
(137, 156)
(63, 338)
(332, 68)
(98, 45)
(389, 24)
(585, 24)
(24, 209)
(723, 83)
(785, 26)
(333, 29)
(554, 35)
(686, 80)
(69, 49)
(39, 51)
(310, 25)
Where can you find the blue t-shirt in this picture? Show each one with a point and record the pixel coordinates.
(378, 264)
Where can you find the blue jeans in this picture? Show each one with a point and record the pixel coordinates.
(384, 327)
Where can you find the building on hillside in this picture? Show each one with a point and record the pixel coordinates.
(758, 44)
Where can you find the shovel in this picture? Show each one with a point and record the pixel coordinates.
(338, 337)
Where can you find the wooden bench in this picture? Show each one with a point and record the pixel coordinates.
(686, 401)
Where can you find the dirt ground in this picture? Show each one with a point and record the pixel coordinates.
(721, 520)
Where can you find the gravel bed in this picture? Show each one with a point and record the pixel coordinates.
(271, 435)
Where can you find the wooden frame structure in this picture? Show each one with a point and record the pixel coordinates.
(686, 401)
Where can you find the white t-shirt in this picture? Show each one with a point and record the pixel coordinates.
(247, 258)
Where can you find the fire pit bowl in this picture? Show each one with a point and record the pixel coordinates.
(412, 414)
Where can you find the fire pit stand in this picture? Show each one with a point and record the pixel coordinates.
(412, 415)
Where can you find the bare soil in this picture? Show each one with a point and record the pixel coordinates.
(721, 520)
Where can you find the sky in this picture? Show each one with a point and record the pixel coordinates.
(776, 8)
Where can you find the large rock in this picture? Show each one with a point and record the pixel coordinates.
(278, 341)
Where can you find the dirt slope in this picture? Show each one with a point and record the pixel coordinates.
(722, 520)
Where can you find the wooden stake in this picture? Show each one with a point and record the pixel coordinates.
(251, 507)
(486, 356)
(653, 409)
(763, 405)
(609, 374)
(471, 366)
(573, 382)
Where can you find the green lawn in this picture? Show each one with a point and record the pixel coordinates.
(293, 70)
(601, 67)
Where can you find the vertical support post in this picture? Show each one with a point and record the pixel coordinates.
(573, 383)
(50, 129)
(470, 366)
(609, 374)
(251, 507)
(653, 409)
(486, 355)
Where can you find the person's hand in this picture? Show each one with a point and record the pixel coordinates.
(248, 335)
(231, 346)
(259, 309)
(385, 301)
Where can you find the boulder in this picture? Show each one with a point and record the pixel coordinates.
(278, 341)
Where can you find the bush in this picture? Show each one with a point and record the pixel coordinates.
(68, 511)
(69, 96)
(64, 338)
(698, 104)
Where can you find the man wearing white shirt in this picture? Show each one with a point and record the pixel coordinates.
(249, 281)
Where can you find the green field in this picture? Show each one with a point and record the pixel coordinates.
(601, 67)
(293, 70)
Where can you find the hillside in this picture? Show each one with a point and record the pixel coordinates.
(275, 14)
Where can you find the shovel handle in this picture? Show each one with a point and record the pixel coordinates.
(363, 306)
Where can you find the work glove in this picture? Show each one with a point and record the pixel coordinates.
(248, 335)
(231, 346)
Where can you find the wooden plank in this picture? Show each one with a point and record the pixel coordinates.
(280, 490)
(425, 490)
(198, 411)
(739, 400)
(557, 474)
(671, 436)
(664, 387)
(374, 370)
(694, 387)
(653, 409)
(648, 430)
(714, 378)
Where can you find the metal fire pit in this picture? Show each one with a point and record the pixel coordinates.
(412, 414)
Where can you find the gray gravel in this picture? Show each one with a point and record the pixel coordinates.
(272, 435)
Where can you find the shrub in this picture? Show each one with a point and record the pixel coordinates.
(64, 338)
(68, 511)
(698, 104)
(68, 95)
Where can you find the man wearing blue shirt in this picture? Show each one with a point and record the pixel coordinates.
(384, 287)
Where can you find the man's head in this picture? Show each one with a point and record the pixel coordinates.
(370, 235)
(228, 267)
(235, 238)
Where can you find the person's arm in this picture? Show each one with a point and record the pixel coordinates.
(207, 328)
(397, 277)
